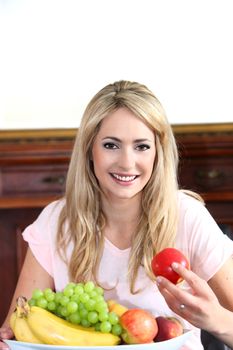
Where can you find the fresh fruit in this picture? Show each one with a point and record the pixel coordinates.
(79, 303)
(116, 307)
(161, 264)
(19, 325)
(50, 329)
(168, 328)
(139, 326)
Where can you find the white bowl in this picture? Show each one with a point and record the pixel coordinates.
(172, 344)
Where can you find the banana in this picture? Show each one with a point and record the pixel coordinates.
(19, 326)
(52, 330)
(36, 325)
(12, 320)
(119, 309)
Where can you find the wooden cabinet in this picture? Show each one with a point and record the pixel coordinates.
(33, 167)
(206, 166)
(33, 170)
(13, 248)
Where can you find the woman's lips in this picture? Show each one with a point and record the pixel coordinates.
(124, 178)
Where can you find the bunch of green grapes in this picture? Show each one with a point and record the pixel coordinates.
(79, 303)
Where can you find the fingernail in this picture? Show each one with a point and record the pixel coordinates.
(158, 280)
(175, 265)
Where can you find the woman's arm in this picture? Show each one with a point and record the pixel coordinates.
(202, 307)
(32, 276)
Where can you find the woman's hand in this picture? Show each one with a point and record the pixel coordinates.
(5, 333)
(200, 307)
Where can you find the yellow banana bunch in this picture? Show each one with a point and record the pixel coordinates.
(48, 328)
(19, 325)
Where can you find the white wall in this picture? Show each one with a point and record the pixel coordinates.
(56, 54)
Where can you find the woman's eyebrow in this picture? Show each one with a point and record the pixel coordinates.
(111, 138)
(118, 140)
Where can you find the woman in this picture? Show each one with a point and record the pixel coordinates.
(122, 205)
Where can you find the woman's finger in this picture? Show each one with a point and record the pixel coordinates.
(194, 306)
(5, 333)
(3, 346)
(197, 284)
(174, 295)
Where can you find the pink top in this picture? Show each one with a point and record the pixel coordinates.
(198, 237)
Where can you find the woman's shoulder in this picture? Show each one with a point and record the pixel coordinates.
(52, 211)
(190, 200)
(193, 214)
(45, 226)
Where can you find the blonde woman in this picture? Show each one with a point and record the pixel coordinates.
(122, 205)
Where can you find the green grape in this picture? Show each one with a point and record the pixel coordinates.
(81, 284)
(47, 291)
(98, 298)
(83, 313)
(50, 296)
(79, 289)
(101, 306)
(42, 302)
(64, 311)
(93, 294)
(58, 297)
(105, 327)
(103, 316)
(92, 317)
(72, 306)
(90, 305)
(51, 306)
(113, 318)
(99, 290)
(79, 303)
(97, 327)
(37, 293)
(32, 302)
(81, 306)
(84, 297)
(64, 300)
(89, 286)
(58, 310)
(68, 291)
(117, 329)
(74, 298)
(75, 318)
(85, 322)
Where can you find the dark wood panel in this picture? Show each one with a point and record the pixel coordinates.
(12, 223)
(25, 179)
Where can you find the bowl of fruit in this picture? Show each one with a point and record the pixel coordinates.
(79, 317)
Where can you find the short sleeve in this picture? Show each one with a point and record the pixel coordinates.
(199, 236)
(41, 235)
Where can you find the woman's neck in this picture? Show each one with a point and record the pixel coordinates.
(122, 218)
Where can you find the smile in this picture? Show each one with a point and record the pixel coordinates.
(124, 178)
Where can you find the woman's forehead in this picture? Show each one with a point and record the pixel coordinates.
(123, 122)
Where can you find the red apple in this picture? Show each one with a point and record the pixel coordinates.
(139, 326)
(161, 264)
(168, 328)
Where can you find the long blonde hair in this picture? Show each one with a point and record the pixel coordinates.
(81, 220)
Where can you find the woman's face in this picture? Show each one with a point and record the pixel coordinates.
(123, 155)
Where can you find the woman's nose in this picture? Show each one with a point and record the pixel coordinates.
(126, 160)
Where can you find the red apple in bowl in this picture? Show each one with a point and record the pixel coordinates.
(161, 264)
(168, 328)
(139, 326)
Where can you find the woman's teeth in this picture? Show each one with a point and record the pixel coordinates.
(124, 178)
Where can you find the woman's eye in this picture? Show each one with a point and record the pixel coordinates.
(143, 147)
(109, 145)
